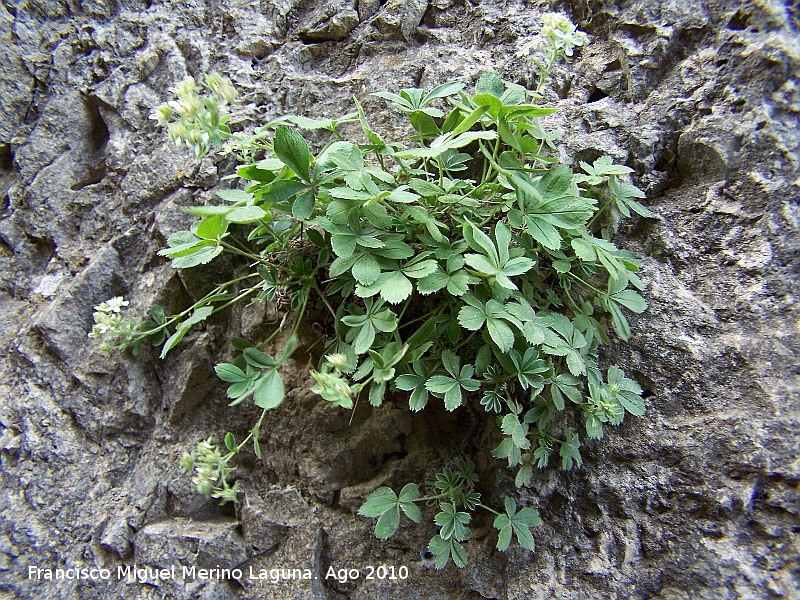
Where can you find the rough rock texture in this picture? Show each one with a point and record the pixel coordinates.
(698, 499)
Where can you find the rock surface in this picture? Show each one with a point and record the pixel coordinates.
(698, 499)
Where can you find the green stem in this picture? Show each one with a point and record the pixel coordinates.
(466, 341)
(249, 436)
(491, 510)
(322, 297)
(597, 214)
(203, 301)
(235, 250)
(582, 282)
(543, 74)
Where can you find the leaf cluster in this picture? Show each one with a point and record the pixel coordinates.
(464, 266)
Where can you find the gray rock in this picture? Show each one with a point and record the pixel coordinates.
(330, 21)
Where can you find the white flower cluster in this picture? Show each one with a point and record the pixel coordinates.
(562, 33)
(107, 317)
(195, 120)
(332, 386)
(210, 472)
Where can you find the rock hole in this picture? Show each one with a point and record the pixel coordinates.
(98, 131)
(94, 176)
(6, 158)
(95, 145)
(564, 92)
(614, 65)
(596, 95)
(337, 494)
(739, 21)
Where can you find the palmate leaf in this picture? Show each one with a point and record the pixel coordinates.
(449, 386)
(517, 431)
(518, 523)
(386, 505)
(363, 327)
(415, 383)
(626, 391)
(475, 314)
(396, 286)
(495, 260)
(445, 142)
(569, 452)
(443, 550)
(452, 522)
(624, 194)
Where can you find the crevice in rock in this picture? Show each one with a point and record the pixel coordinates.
(6, 158)
(739, 21)
(96, 140)
(98, 130)
(596, 95)
(94, 176)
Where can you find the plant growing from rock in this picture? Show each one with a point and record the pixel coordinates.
(464, 266)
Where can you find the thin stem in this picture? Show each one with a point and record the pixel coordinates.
(581, 281)
(257, 427)
(597, 214)
(491, 510)
(235, 250)
(322, 297)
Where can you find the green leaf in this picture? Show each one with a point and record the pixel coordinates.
(396, 288)
(517, 522)
(236, 196)
(292, 151)
(408, 494)
(452, 522)
(246, 214)
(507, 449)
(269, 392)
(384, 503)
(620, 322)
(230, 373)
(630, 300)
(443, 550)
(212, 228)
(201, 256)
(303, 206)
(490, 83)
(366, 269)
(584, 250)
(501, 334)
(378, 502)
(555, 182)
(199, 314)
(280, 190)
(257, 359)
(543, 232)
(481, 264)
(626, 391)
(420, 269)
(511, 426)
(569, 450)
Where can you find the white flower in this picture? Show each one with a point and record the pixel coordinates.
(116, 303)
(562, 33)
(337, 361)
